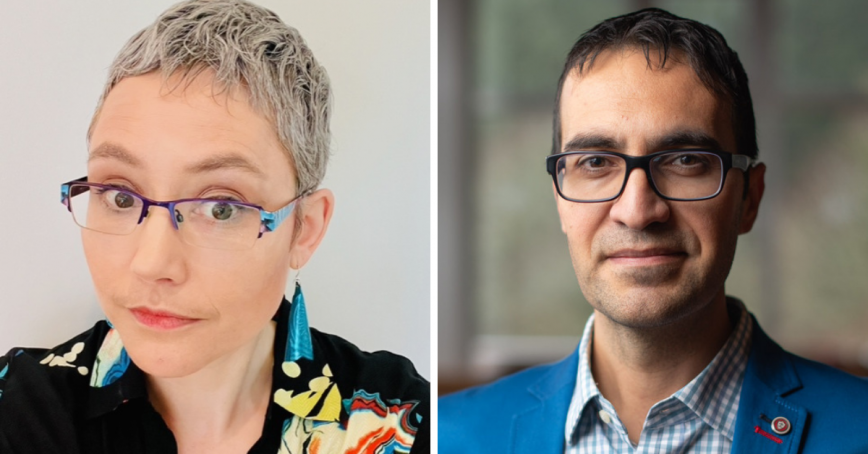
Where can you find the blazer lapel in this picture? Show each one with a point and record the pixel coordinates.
(539, 427)
(769, 377)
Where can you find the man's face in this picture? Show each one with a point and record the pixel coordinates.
(643, 261)
(189, 143)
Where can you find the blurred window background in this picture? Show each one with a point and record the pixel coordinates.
(508, 296)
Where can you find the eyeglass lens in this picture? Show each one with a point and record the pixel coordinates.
(677, 175)
(214, 224)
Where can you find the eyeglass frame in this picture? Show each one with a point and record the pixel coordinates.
(270, 220)
(729, 160)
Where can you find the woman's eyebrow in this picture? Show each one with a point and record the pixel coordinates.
(109, 150)
(229, 160)
(225, 161)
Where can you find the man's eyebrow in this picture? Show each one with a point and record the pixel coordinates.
(681, 139)
(225, 161)
(583, 141)
(109, 150)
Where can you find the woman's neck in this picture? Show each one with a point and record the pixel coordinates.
(223, 403)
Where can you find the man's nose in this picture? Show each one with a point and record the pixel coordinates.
(639, 206)
(159, 248)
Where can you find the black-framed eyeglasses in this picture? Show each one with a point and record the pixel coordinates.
(208, 223)
(681, 175)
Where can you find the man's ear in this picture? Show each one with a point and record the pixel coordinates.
(316, 212)
(750, 205)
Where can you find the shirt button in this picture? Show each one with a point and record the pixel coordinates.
(605, 416)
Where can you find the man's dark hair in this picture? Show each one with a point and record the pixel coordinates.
(705, 49)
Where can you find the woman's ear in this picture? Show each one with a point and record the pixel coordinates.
(316, 212)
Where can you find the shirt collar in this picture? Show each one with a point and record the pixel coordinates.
(586, 388)
(306, 387)
(712, 395)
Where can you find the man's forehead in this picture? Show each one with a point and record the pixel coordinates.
(630, 68)
(622, 96)
(654, 58)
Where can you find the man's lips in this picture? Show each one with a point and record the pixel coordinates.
(645, 257)
(162, 320)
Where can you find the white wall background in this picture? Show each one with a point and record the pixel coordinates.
(368, 282)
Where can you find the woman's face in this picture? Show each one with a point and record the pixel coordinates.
(179, 307)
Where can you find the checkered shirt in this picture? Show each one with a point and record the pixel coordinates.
(698, 418)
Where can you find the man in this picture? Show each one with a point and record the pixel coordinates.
(655, 175)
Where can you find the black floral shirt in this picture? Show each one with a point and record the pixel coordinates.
(86, 396)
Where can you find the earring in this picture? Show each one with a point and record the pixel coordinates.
(298, 342)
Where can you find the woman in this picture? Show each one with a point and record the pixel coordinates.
(219, 114)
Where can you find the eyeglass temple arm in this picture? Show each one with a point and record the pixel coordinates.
(550, 165)
(271, 220)
(743, 162)
(65, 191)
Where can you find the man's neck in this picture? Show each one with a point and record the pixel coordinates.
(225, 401)
(636, 368)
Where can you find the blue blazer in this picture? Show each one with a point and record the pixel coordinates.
(527, 412)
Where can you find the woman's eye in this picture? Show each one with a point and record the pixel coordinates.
(115, 198)
(123, 200)
(222, 211)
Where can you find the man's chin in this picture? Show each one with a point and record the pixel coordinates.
(645, 278)
(644, 306)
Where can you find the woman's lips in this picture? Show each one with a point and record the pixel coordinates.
(160, 319)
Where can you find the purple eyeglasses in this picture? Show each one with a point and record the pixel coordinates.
(208, 223)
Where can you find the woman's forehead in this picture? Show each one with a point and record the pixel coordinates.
(195, 127)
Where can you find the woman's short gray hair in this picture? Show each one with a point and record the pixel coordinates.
(246, 46)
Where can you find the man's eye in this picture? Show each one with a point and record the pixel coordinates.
(687, 159)
(593, 162)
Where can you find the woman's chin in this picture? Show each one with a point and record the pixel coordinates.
(161, 365)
